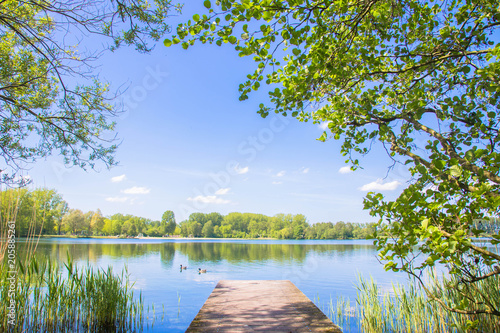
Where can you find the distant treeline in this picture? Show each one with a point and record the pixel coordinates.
(282, 226)
(43, 211)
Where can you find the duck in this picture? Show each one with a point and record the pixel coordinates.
(202, 270)
(183, 267)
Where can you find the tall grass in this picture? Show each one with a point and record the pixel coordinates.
(80, 300)
(342, 313)
(407, 309)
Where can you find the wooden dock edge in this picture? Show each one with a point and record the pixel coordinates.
(260, 306)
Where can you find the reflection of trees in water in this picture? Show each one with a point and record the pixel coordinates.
(196, 251)
(167, 254)
(343, 250)
(237, 252)
(94, 251)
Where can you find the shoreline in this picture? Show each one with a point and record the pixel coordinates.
(183, 238)
(118, 237)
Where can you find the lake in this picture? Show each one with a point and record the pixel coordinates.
(322, 270)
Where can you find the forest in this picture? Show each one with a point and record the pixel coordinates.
(45, 212)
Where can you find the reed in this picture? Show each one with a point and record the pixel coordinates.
(80, 300)
(407, 309)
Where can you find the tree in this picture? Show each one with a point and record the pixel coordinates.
(39, 210)
(226, 231)
(299, 226)
(50, 96)
(116, 227)
(97, 222)
(129, 228)
(208, 230)
(195, 229)
(87, 222)
(153, 231)
(61, 210)
(168, 222)
(107, 229)
(419, 77)
(74, 221)
(216, 218)
(16, 205)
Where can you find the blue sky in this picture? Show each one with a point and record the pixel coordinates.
(189, 145)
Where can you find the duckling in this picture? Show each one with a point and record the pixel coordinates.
(183, 267)
(201, 270)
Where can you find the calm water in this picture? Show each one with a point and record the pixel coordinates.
(320, 269)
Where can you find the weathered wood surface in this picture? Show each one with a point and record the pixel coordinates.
(260, 306)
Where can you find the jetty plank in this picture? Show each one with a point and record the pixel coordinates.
(260, 306)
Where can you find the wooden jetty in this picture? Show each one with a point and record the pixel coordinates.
(260, 306)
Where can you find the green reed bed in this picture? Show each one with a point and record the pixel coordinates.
(407, 309)
(50, 298)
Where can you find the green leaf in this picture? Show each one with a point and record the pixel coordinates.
(323, 137)
(167, 42)
(196, 17)
(439, 164)
(207, 4)
(267, 15)
(465, 69)
(455, 171)
(390, 266)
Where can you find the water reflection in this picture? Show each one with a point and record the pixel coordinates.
(212, 252)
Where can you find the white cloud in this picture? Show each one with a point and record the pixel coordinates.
(222, 191)
(281, 173)
(241, 171)
(379, 185)
(117, 199)
(137, 190)
(118, 179)
(305, 170)
(277, 183)
(324, 125)
(345, 169)
(209, 199)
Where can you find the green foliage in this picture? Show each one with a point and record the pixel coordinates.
(340, 230)
(281, 226)
(74, 222)
(168, 222)
(45, 207)
(50, 96)
(129, 225)
(419, 77)
(208, 230)
(44, 212)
